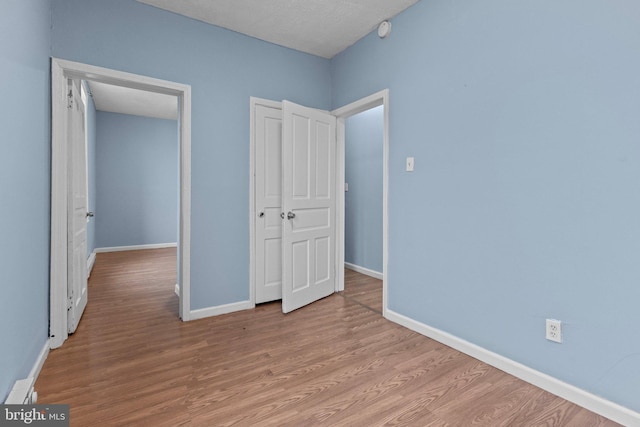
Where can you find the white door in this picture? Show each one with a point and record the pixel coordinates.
(308, 205)
(268, 199)
(77, 209)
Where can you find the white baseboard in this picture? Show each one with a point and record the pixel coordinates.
(580, 397)
(90, 262)
(136, 247)
(363, 270)
(177, 290)
(37, 367)
(220, 309)
(21, 391)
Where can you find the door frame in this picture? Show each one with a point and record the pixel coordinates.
(342, 113)
(61, 70)
(375, 100)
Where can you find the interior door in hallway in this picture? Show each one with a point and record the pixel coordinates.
(308, 205)
(77, 209)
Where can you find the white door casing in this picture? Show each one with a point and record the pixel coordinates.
(61, 70)
(268, 199)
(308, 205)
(342, 113)
(77, 208)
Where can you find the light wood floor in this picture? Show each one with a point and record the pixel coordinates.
(336, 362)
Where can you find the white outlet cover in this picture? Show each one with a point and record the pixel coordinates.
(554, 330)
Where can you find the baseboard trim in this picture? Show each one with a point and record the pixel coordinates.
(37, 367)
(606, 408)
(136, 247)
(363, 270)
(220, 309)
(90, 262)
(21, 391)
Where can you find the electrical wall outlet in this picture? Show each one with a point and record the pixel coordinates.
(554, 330)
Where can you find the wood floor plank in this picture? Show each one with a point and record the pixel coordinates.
(336, 362)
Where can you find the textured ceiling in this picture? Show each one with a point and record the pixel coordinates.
(319, 27)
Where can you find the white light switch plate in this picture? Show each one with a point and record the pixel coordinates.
(410, 163)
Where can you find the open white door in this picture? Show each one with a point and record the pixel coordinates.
(77, 209)
(308, 205)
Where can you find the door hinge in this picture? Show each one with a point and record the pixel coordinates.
(70, 99)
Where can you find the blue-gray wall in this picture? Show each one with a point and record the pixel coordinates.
(91, 171)
(224, 69)
(523, 118)
(363, 201)
(24, 186)
(136, 180)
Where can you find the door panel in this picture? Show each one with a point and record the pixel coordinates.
(309, 205)
(268, 199)
(311, 219)
(77, 209)
(323, 252)
(323, 161)
(301, 165)
(300, 265)
(273, 263)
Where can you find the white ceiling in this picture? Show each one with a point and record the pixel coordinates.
(319, 27)
(118, 99)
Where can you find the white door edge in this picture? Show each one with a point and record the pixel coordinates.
(61, 70)
(342, 113)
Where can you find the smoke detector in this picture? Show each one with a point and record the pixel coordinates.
(384, 29)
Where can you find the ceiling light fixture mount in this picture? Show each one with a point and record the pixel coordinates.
(384, 29)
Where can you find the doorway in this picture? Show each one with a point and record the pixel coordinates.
(61, 71)
(372, 101)
(363, 192)
(341, 114)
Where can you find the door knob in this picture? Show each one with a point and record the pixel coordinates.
(290, 215)
(261, 214)
(90, 214)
